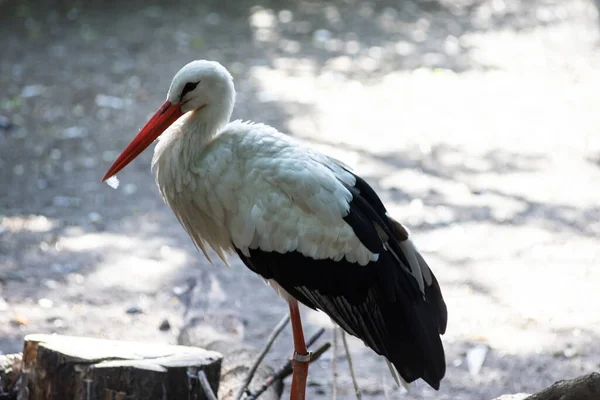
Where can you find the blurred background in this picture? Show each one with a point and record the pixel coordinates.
(476, 121)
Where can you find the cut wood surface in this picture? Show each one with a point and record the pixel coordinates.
(56, 366)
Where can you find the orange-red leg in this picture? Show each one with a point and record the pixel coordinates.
(301, 355)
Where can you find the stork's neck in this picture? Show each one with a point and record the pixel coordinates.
(199, 129)
(189, 136)
(201, 126)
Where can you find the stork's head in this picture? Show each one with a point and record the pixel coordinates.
(202, 84)
(204, 87)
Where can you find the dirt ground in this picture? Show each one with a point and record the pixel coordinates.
(476, 120)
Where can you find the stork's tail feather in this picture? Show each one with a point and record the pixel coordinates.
(429, 317)
(433, 294)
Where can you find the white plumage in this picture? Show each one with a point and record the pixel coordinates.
(254, 187)
(303, 221)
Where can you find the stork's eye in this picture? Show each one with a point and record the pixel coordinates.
(188, 88)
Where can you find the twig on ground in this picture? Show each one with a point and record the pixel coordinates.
(354, 382)
(334, 363)
(210, 395)
(284, 321)
(314, 338)
(287, 369)
(186, 296)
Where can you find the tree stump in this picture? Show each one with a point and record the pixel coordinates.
(67, 367)
(586, 387)
(10, 371)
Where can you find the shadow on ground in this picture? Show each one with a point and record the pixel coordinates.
(77, 80)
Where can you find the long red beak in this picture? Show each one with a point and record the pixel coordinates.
(160, 121)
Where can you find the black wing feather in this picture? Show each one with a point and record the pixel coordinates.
(380, 303)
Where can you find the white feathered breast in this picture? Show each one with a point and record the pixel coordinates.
(253, 187)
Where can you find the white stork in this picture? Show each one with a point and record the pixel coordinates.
(316, 231)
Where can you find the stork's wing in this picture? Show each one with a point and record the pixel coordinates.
(392, 302)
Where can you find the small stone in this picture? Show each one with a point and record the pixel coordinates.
(60, 201)
(212, 19)
(57, 322)
(19, 170)
(116, 103)
(153, 12)
(321, 36)
(3, 305)
(476, 357)
(55, 154)
(19, 320)
(68, 166)
(285, 16)
(165, 251)
(134, 310)
(51, 284)
(95, 217)
(570, 352)
(32, 91)
(89, 162)
(45, 303)
(74, 278)
(123, 66)
(4, 122)
(404, 48)
(78, 110)
(262, 18)
(109, 155)
(13, 276)
(58, 50)
(179, 290)
(129, 189)
(74, 132)
(66, 201)
(134, 82)
(352, 47)
(55, 267)
(164, 326)
(19, 133)
(72, 14)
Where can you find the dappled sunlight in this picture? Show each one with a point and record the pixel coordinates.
(142, 269)
(475, 120)
(28, 223)
(318, 319)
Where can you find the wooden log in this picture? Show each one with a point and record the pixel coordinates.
(10, 370)
(67, 367)
(586, 387)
